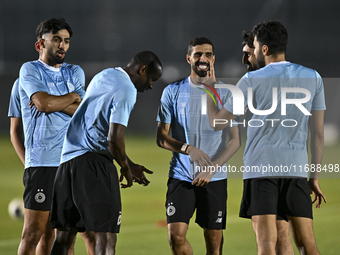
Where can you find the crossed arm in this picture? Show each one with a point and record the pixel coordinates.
(47, 103)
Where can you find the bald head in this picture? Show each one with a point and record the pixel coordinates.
(144, 69)
(149, 59)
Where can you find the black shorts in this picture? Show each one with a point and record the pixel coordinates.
(210, 202)
(38, 182)
(86, 195)
(281, 196)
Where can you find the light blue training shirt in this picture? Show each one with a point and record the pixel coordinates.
(109, 98)
(14, 109)
(45, 132)
(276, 143)
(181, 106)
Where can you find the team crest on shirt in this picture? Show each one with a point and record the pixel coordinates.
(70, 86)
(171, 210)
(51, 87)
(40, 196)
(182, 107)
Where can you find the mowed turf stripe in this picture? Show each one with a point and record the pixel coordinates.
(9, 242)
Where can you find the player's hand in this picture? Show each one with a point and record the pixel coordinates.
(204, 178)
(210, 78)
(31, 104)
(125, 172)
(138, 174)
(199, 156)
(315, 189)
(76, 97)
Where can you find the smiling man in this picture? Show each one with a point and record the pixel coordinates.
(249, 58)
(194, 144)
(50, 92)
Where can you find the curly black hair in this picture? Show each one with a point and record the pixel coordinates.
(52, 26)
(248, 39)
(273, 34)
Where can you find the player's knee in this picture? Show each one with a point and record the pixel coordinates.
(283, 235)
(266, 245)
(214, 241)
(31, 237)
(88, 238)
(65, 238)
(176, 239)
(104, 242)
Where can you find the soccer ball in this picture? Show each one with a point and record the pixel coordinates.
(16, 209)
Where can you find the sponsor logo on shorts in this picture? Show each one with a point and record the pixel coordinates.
(219, 215)
(40, 196)
(119, 218)
(171, 210)
(219, 220)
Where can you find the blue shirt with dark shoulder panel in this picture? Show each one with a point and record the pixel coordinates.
(181, 107)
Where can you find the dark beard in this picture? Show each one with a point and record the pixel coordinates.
(54, 59)
(200, 73)
(261, 63)
(250, 67)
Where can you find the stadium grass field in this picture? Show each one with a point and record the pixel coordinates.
(143, 229)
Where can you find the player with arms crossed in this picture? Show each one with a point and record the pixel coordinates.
(86, 195)
(50, 91)
(194, 145)
(272, 193)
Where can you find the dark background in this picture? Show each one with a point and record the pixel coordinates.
(109, 33)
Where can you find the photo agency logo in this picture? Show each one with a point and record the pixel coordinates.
(204, 97)
(239, 109)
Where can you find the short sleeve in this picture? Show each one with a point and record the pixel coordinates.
(319, 103)
(122, 105)
(30, 79)
(79, 76)
(14, 103)
(165, 110)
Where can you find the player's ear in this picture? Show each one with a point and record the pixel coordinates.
(188, 59)
(143, 69)
(39, 45)
(265, 50)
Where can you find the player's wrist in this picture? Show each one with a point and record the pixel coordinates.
(185, 148)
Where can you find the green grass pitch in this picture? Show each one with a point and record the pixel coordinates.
(143, 229)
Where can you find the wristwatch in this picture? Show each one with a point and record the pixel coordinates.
(184, 147)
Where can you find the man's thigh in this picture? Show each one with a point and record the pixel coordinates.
(38, 182)
(180, 201)
(211, 204)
